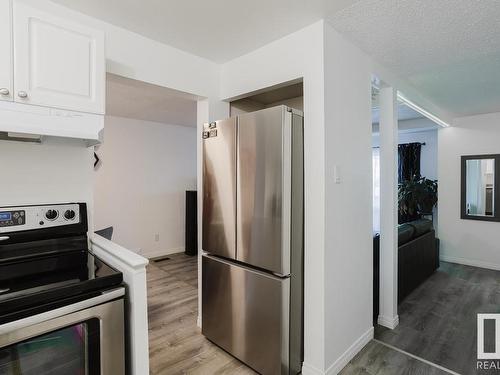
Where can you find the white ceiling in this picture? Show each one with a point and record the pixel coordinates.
(142, 101)
(449, 50)
(404, 113)
(218, 30)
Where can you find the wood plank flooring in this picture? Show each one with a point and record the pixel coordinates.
(377, 359)
(438, 320)
(176, 345)
(437, 323)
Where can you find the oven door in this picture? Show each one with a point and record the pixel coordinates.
(85, 342)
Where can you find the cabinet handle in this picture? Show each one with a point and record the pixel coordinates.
(4, 92)
(22, 94)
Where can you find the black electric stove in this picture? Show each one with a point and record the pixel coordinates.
(45, 262)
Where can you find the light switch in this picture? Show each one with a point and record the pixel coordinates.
(336, 174)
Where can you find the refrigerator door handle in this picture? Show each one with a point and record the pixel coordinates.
(272, 275)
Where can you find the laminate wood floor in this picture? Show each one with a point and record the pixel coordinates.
(435, 324)
(437, 321)
(377, 359)
(176, 345)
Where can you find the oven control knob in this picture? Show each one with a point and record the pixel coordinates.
(51, 214)
(69, 215)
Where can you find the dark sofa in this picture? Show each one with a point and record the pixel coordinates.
(418, 258)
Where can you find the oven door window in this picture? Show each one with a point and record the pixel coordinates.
(72, 350)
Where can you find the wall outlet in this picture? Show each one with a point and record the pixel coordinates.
(157, 237)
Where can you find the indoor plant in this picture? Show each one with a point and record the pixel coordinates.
(418, 195)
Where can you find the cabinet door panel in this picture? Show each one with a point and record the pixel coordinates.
(57, 63)
(6, 69)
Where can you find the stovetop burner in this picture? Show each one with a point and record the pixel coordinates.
(46, 267)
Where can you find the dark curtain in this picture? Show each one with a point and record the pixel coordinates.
(408, 166)
(409, 161)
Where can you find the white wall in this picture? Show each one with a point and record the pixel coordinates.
(337, 100)
(141, 181)
(466, 241)
(348, 232)
(298, 55)
(56, 171)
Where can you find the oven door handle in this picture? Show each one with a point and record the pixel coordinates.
(6, 329)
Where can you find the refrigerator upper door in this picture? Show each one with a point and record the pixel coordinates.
(219, 188)
(264, 189)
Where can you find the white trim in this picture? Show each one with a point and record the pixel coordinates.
(161, 253)
(118, 253)
(308, 369)
(350, 353)
(470, 262)
(344, 359)
(388, 322)
(416, 357)
(422, 111)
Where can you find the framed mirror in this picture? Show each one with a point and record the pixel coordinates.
(480, 193)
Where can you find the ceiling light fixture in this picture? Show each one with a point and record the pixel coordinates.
(422, 111)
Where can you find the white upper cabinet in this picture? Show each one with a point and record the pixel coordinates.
(57, 62)
(6, 67)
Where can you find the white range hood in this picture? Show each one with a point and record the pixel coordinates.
(31, 123)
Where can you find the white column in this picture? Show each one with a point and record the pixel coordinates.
(388, 316)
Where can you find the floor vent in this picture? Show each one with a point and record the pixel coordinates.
(160, 259)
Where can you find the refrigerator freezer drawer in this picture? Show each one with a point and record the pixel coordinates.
(247, 313)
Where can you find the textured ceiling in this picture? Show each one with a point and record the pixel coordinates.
(449, 50)
(219, 30)
(142, 101)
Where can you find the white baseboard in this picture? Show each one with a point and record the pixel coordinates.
(470, 262)
(344, 359)
(311, 370)
(349, 354)
(388, 321)
(161, 253)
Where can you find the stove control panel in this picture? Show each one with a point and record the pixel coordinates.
(14, 219)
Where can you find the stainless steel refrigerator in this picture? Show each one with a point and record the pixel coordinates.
(253, 238)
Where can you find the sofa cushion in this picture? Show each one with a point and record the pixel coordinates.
(421, 226)
(406, 232)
